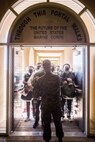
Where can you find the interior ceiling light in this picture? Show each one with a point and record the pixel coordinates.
(76, 51)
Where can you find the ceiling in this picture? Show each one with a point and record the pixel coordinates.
(50, 48)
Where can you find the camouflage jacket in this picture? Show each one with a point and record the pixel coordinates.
(48, 87)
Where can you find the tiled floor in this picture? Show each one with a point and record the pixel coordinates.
(26, 128)
(25, 133)
(39, 139)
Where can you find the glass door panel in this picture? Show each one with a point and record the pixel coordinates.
(18, 67)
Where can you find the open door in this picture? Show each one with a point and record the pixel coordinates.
(16, 86)
(79, 65)
(19, 62)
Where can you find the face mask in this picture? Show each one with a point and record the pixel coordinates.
(66, 68)
(30, 70)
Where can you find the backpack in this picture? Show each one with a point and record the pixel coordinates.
(69, 90)
(27, 97)
(65, 75)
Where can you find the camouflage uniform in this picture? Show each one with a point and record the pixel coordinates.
(64, 89)
(48, 87)
(36, 102)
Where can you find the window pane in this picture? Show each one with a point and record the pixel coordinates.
(22, 5)
(74, 5)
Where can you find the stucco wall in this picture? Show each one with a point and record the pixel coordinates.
(1, 83)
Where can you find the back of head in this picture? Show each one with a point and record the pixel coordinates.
(47, 65)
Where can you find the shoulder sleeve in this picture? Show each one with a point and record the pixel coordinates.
(37, 88)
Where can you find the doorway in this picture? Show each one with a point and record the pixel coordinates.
(25, 56)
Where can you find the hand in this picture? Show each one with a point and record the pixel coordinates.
(69, 79)
(64, 82)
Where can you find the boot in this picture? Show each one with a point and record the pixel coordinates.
(35, 125)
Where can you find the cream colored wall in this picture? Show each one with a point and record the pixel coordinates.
(92, 87)
(68, 55)
(1, 84)
(31, 57)
(26, 57)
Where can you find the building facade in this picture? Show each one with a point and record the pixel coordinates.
(31, 31)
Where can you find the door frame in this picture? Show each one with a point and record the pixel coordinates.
(11, 81)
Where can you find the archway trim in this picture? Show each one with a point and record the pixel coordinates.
(9, 18)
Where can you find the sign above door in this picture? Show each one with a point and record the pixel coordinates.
(47, 24)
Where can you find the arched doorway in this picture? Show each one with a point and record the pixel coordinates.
(16, 10)
(51, 29)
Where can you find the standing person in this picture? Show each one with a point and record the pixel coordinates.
(36, 102)
(48, 87)
(68, 79)
(27, 91)
(27, 75)
(27, 96)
